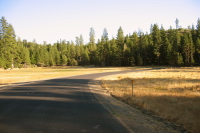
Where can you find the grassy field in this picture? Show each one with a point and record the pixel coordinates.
(172, 93)
(31, 74)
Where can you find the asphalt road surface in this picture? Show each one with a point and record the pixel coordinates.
(62, 105)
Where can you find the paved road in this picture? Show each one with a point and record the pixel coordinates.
(63, 105)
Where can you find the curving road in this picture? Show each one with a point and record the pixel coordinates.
(62, 105)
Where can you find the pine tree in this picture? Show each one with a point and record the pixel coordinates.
(191, 47)
(177, 23)
(105, 34)
(198, 28)
(145, 45)
(57, 55)
(45, 54)
(92, 47)
(72, 50)
(132, 43)
(114, 55)
(173, 46)
(197, 43)
(100, 52)
(7, 44)
(156, 40)
(141, 52)
(120, 44)
(106, 47)
(179, 59)
(86, 59)
(163, 48)
(197, 50)
(18, 56)
(81, 43)
(77, 50)
(188, 49)
(65, 48)
(103, 48)
(26, 58)
(64, 60)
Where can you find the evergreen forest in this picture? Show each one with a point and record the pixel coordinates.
(168, 47)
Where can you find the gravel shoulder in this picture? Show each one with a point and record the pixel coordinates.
(135, 120)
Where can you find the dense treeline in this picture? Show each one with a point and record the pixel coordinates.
(172, 47)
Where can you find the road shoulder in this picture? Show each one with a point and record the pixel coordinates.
(133, 119)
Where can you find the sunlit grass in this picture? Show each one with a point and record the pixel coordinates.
(173, 94)
(31, 74)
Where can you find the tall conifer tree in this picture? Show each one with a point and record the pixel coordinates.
(7, 44)
(156, 40)
(120, 44)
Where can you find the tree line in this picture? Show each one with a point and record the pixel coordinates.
(171, 47)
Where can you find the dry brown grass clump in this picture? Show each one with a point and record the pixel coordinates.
(173, 94)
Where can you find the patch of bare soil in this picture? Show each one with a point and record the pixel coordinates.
(133, 118)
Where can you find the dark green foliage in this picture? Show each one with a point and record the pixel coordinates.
(120, 45)
(8, 44)
(63, 60)
(86, 59)
(73, 62)
(172, 47)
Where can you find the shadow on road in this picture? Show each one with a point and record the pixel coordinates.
(56, 105)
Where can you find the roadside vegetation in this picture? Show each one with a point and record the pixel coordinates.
(171, 93)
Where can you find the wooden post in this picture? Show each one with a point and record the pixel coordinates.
(132, 81)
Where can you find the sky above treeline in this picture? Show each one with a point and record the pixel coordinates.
(52, 20)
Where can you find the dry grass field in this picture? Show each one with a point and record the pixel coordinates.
(172, 93)
(31, 74)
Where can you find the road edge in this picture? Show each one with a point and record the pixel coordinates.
(131, 118)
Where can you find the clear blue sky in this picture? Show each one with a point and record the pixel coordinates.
(52, 20)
